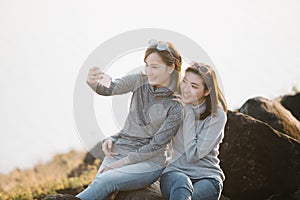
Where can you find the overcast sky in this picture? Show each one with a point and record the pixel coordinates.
(254, 45)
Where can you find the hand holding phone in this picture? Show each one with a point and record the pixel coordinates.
(105, 80)
(96, 76)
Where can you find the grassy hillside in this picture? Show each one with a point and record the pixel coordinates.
(48, 178)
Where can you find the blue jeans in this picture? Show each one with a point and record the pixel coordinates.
(177, 185)
(129, 177)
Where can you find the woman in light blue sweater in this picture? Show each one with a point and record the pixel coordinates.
(135, 157)
(194, 171)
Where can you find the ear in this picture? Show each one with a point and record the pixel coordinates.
(171, 68)
(207, 92)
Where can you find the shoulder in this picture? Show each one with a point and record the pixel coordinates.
(220, 116)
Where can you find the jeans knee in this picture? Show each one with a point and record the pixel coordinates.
(185, 184)
(100, 184)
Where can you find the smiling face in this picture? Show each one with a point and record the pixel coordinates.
(158, 73)
(193, 89)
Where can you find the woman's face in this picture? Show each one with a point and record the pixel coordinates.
(157, 71)
(192, 89)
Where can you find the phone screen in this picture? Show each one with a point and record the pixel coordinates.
(105, 81)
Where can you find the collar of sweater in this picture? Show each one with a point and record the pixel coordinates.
(163, 91)
(199, 109)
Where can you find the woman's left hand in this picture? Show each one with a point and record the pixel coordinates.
(177, 97)
(117, 164)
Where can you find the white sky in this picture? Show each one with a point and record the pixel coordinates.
(255, 46)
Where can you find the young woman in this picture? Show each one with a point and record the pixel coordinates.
(194, 171)
(135, 157)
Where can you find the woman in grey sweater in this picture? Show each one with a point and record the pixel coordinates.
(135, 157)
(194, 171)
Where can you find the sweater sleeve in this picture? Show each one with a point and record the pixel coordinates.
(199, 144)
(119, 86)
(161, 138)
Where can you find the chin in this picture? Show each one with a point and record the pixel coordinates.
(186, 101)
(153, 83)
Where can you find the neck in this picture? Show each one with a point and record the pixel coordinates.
(198, 102)
(165, 84)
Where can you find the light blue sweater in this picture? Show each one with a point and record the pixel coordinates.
(196, 144)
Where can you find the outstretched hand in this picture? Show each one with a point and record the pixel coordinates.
(95, 74)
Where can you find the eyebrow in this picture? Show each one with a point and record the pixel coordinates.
(192, 83)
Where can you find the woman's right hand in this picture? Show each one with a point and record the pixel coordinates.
(95, 74)
(106, 148)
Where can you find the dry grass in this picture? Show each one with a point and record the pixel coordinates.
(48, 178)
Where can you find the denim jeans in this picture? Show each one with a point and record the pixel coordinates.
(129, 177)
(178, 186)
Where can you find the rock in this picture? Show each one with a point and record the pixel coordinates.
(91, 158)
(292, 103)
(95, 153)
(149, 193)
(258, 161)
(61, 197)
(274, 114)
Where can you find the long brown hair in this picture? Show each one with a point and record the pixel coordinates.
(215, 97)
(169, 56)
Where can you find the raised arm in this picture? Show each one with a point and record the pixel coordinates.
(198, 143)
(119, 86)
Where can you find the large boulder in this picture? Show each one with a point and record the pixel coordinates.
(258, 161)
(292, 103)
(274, 114)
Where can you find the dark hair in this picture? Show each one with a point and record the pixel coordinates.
(169, 56)
(215, 96)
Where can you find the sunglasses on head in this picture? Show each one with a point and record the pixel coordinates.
(203, 69)
(160, 46)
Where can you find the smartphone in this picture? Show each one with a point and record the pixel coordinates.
(105, 81)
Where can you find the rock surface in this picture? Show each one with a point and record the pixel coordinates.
(292, 103)
(258, 161)
(274, 114)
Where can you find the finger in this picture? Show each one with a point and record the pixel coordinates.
(95, 68)
(109, 144)
(176, 95)
(96, 76)
(179, 100)
(104, 147)
(113, 154)
(96, 72)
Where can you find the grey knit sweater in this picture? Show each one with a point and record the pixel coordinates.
(153, 119)
(196, 145)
